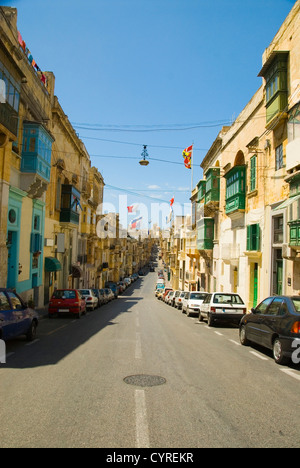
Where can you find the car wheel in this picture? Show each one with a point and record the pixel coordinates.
(210, 320)
(278, 352)
(243, 336)
(31, 334)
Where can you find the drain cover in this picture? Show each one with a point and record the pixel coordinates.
(142, 380)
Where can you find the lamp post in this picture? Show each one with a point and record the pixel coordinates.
(144, 162)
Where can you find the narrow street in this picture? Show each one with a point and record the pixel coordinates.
(67, 388)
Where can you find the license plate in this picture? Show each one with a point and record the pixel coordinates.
(63, 310)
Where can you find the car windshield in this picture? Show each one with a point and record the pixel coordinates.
(67, 294)
(296, 303)
(85, 291)
(197, 296)
(227, 299)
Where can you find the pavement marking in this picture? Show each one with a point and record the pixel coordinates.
(218, 333)
(142, 432)
(235, 342)
(32, 342)
(138, 346)
(291, 373)
(263, 358)
(56, 329)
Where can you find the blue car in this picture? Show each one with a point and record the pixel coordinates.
(16, 318)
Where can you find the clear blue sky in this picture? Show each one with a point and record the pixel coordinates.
(154, 67)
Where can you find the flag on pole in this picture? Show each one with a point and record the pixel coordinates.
(171, 201)
(187, 155)
(135, 222)
(133, 208)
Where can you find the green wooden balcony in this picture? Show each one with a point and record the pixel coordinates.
(205, 234)
(212, 193)
(294, 233)
(236, 189)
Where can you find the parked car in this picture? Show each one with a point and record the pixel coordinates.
(109, 293)
(122, 286)
(113, 286)
(100, 296)
(191, 302)
(222, 306)
(127, 281)
(178, 300)
(66, 301)
(16, 318)
(105, 295)
(175, 295)
(90, 299)
(166, 291)
(169, 296)
(274, 324)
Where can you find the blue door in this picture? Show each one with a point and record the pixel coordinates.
(13, 263)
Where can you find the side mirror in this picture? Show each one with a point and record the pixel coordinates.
(253, 311)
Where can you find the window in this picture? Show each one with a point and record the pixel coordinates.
(253, 165)
(15, 301)
(4, 304)
(253, 237)
(278, 157)
(261, 309)
(294, 124)
(275, 307)
(278, 230)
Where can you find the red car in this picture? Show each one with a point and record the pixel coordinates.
(65, 301)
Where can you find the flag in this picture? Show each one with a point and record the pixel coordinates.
(132, 208)
(187, 155)
(135, 221)
(171, 201)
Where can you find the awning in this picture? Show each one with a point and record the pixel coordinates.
(287, 203)
(52, 264)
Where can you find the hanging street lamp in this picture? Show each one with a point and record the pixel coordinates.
(144, 162)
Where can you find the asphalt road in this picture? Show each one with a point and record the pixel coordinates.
(189, 386)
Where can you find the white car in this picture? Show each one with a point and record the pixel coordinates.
(91, 300)
(127, 281)
(169, 297)
(192, 301)
(222, 306)
(175, 295)
(179, 299)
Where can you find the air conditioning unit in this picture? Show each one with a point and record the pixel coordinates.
(287, 252)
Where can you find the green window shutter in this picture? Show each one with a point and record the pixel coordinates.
(253, 165)
(248, 237)
(253, 237)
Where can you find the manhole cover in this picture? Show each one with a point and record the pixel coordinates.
(143, 380)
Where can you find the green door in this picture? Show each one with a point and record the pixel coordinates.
(255, 284)
(279, 275)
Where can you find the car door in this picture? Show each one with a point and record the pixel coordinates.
(204, 307)
(255, 319)
(20, 314)
(185, 301)
(270, 322)
(6, 322)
